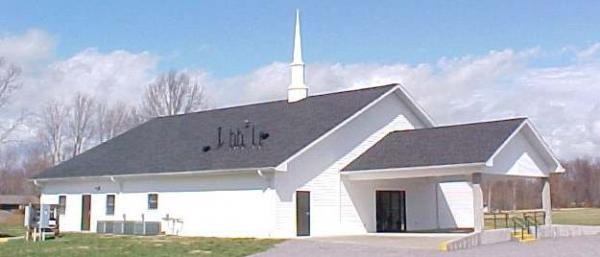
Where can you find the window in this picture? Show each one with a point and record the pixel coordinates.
(152, 201)
(110, 204)
(62, 204)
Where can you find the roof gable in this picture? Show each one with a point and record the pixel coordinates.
(179, 143)
(446, 145)
(535, 158)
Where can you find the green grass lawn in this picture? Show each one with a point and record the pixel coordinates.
(579, 216)
(92, 245)
(11, 230)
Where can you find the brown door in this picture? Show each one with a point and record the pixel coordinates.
(86, 205)
(302, 213)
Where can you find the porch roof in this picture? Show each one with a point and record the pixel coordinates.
(437, 146)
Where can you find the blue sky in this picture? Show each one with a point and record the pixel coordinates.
(234, 37)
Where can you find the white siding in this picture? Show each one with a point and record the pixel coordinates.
(71, 220)
(455, 205)
(229, 206)
(519, 157)
(318, 169)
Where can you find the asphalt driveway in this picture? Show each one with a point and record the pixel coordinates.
(396, 241)
(571, 247)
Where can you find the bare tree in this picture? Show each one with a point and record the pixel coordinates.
(10, 180)
(112, 120)
(80, 122)
(52, 130)
(17, 165)
(172, 93)
(34, 162)
(578, 186)
(9, 75)
(8, 80)
(134, 117)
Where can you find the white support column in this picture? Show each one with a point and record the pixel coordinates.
(547, 201)
(477, 202)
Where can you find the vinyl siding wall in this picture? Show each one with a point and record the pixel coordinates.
(318, 169)
(521, 158)
(228, 206)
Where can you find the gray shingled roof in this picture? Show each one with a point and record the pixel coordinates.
(176, 143)
(457, 144)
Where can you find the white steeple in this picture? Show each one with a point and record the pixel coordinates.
(297, 89)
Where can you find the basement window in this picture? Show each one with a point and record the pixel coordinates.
(152, 201)
(62, 204)
(110, 204)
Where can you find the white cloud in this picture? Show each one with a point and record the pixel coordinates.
(113, 76)
(591, 52)
(117, 75)
(32, 46)
(263, 84)
(562, 100)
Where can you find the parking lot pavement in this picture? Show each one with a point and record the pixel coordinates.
(402, 241)
(563, 247)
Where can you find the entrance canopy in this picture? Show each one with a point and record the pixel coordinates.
(504, 147)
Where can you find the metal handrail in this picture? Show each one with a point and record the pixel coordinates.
(534, 215)
(535, 224)
(538, 217)
(495, 218)
(521, 223)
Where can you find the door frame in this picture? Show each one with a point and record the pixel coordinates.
(85, 217)
(298, 193)
(402, 210)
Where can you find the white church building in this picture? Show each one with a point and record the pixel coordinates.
(345, 163)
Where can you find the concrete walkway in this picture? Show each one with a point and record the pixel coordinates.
(571, 247)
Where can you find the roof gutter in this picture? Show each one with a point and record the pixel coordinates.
(431, 167)
(113, 178)
(415, 172)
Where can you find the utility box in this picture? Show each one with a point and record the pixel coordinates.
(40, 221)
(28, 220)
(44, 220)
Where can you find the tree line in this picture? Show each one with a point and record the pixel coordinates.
(65, 128)
(578, 186)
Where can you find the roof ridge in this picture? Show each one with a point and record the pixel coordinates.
(467, 124)
(355, 90)
(282, 100)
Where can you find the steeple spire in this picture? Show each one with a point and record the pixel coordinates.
(297, 58)
(297, 89)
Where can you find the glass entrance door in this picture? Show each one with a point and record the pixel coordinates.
(391, 211)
